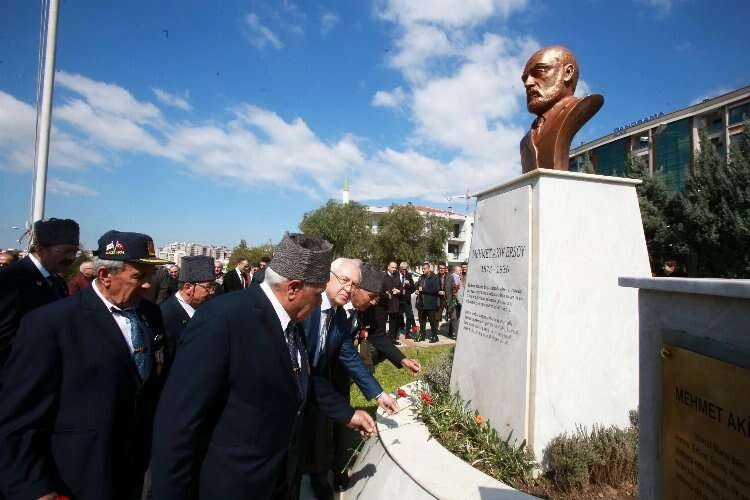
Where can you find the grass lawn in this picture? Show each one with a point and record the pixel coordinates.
(391, 377)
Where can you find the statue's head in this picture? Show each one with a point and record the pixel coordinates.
(550, 75)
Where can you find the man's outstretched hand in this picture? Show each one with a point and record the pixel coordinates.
(363, 422)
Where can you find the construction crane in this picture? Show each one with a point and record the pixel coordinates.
(467, 196)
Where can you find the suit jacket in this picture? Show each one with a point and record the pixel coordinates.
(374, 321)
(408, 287)
(22, 289)
(446, 285)
(259, 276)
(339, 347)
(228, 421)
(430, 287)
(78, 283)
(162, 287)
(232, 281)
(175, 320)
(76, 417)
(393, 301)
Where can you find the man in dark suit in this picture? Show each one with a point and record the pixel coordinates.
(329, 341)
(260, 274)
(392, 301)
(445, 298)
(33, 281)
(428, 287)
(407, 288)
(370, 318)
(80, 388)
(228, 424)
(196, 287)
(237, 278)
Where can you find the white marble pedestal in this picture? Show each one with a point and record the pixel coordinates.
(547, 339)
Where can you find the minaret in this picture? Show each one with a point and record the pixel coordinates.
(345, 192)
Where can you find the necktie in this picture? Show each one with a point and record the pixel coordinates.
(327, 316)
(138, 338)
(293, 341)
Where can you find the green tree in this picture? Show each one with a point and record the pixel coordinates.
(241, 251)
(657, 206)
(588, 166)
(346, 226)
(715, 211)
(404, 234)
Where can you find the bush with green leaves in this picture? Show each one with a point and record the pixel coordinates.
(469, 436)
(605, 455)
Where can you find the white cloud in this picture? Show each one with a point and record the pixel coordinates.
(328, 21)
(417, 47)
(17, 135)
(582, 89)
(392, 99)
(452, 13)
(663, 7)
(259, 35)
(173, 100)
(109, 98)
(68, 189)
(710, 94)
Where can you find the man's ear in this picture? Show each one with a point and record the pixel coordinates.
(568, 72)
(103, 276)
(293, 288)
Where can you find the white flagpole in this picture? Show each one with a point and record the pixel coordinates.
(44, 122)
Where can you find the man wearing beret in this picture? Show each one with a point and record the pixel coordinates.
(80, 387)
(367, 319)
(196, 286)
(228, 424)
(33, 282)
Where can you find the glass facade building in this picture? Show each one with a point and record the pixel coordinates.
(668, 143)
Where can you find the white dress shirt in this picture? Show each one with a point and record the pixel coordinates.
(122, 322)
(46, 274)
(281, 313)
(190, 310)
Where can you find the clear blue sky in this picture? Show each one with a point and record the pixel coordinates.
(214, 121)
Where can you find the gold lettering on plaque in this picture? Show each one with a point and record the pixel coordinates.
(705, 427)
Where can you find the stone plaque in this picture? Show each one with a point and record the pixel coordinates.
(706, 427)
(492, 356)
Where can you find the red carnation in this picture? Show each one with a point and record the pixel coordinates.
(426, 398)
(402, 393)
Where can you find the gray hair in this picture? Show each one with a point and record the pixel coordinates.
(338, 264)
(84, 263)
(273, 278)
(113, 266)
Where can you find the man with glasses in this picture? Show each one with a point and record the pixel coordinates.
(329, 342)
(196, 287)
(33, 281)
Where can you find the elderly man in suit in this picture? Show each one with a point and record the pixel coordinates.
(33, 281)
(196, 287)
(229, 421)
(80, 387)
(329, 341)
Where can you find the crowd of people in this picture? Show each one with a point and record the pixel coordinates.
(140, 379)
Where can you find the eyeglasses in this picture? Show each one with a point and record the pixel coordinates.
(345, 282)
(209, 287)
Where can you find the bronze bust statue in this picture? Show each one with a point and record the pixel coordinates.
(550, 79)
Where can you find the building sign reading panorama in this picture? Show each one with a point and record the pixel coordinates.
(621, 130)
